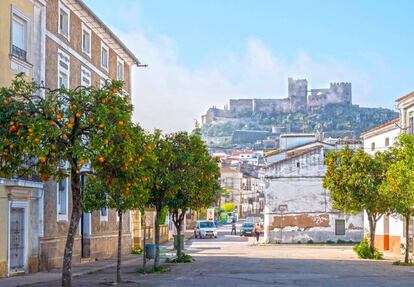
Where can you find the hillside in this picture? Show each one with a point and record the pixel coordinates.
(337, 120)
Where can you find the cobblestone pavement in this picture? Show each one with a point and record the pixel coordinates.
(232, 261)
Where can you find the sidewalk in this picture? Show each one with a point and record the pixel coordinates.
(128, 261)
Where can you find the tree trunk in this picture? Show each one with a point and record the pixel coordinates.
(372, 227)
(157, 237)
(407, 237)
(178, 222)
(73, 226)
(118, 264)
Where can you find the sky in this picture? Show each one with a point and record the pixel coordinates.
(202, 53)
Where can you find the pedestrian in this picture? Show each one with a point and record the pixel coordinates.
(233, 228)
(257, 231)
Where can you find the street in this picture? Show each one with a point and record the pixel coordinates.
(230, 260)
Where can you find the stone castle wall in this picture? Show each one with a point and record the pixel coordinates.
(299, 99)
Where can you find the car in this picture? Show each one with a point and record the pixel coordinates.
(205, 228)
(247, 229)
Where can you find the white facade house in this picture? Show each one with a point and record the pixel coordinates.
(389, 229)
(297, 207)
(390, 232)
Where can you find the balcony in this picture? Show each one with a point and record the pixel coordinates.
(19, 53)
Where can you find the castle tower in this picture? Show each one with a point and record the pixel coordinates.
(298, 94)
(340, 93)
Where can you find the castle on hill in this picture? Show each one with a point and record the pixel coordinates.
(299, 99)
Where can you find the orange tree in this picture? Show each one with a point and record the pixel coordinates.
(194, 183)
(159, 182)
(120, 179)
(353, 179)
(53, 133)
(398, 186)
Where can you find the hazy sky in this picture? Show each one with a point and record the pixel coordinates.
(202, 53)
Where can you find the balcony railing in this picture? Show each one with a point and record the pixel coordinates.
(19, 53)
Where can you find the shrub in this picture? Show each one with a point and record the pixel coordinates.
(184, 258)
(137, 251)
(363, 251)
(330, 242)
(310, 241)
(400, 263)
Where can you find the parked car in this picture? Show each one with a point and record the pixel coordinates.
(247, 229)
(205, 228)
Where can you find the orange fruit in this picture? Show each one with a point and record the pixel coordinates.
(36, 140)
(78, 115)
(30, 130)
(42, 159)
(106, 141)
(120, 123)
(52, 123)
(91, 120)
(71, 120)
(101, 159)
(74, 107)
(81, 161)
(101, 126)
(5, 101)
(65, 136)
(59, 116)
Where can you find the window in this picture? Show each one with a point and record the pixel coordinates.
(63, 69)
(86, 40)
(85, 77)
(102, 83)
(298, 164)
(104, 214)
(62, 199)
(339, 227)
(387, 142)
(20, 35)
(64, 20)
(411, 123)
(120, 70)
(104, 56)
(372, 146)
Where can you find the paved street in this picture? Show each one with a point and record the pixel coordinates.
(232, 261)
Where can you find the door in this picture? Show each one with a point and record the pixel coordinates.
(86, 235)
(17, 239)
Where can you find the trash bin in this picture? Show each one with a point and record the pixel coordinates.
(150, 251)
(176, 242)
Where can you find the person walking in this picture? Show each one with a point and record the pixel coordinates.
(257, 231)
(233, 228)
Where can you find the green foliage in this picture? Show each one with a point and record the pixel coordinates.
(343, 119)
(40, 132)
(400, 263)
(137, 251)
(163, 217)
(310, 241)
(160, 269)
(184, 258)
(120, 179)
(330, 242)
(229, 207)
(353, 179)
(399, 184)
(363, 250)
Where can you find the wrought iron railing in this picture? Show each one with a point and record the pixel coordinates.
(19, 53)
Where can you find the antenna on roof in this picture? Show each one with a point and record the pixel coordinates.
(142, 65)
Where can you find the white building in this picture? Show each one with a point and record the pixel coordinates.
(390, 232)
(297, 207)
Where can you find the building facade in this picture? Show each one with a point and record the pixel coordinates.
(21, 198)
(297, 207)
(231, 181)
(81, 51)
(390, 230)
